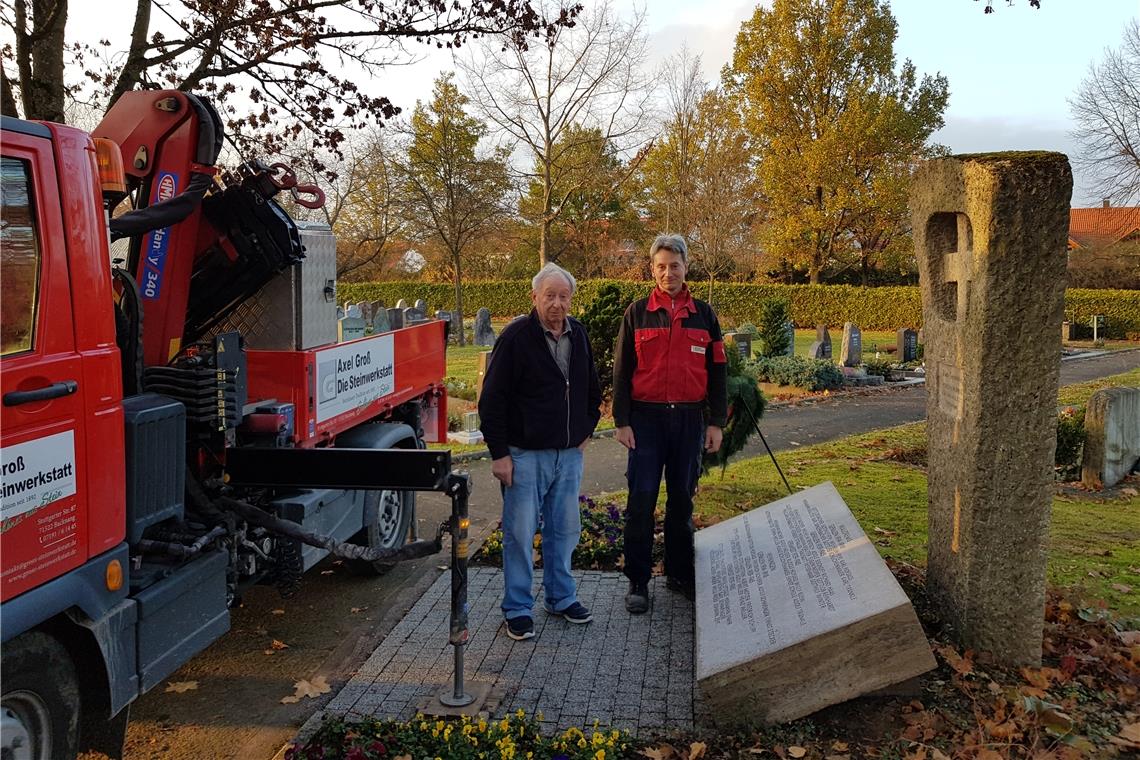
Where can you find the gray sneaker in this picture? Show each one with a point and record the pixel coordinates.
(637, 600)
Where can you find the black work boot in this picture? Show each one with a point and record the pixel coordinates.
(637, 600)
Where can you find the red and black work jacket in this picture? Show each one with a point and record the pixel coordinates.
(670, 351)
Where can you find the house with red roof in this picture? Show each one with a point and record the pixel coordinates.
(1104, 247)
(1103, 227)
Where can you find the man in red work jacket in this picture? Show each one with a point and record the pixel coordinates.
(669, 406)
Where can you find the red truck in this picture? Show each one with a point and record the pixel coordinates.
(179, 420)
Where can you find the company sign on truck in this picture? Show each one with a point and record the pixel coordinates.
(354, 374)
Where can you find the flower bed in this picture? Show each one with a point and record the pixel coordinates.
(515, 737)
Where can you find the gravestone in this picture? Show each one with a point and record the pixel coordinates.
(484, 362)
(1112, 436)
(990, 233)
(421, 304)
(790, 331)
(821, 348)
(796, 610)
(743, 343)
(365, 308)
(1068, 331)
(484, 333)
(851, 352)
(350, 327)
(401, 304)
(413, 316)
(340, 312)
(906, 345)
(380, 321)
(395, 318)
(352, 311)
(376, 307)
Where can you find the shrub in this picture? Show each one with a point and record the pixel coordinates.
(812, 374)
(602, 319)
(1070, 441)
(457, 388)
(880, 367)
(774, 317)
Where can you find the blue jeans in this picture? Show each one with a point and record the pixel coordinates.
(669, 440)
(544, 485)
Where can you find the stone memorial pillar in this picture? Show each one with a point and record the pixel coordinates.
(990, 233)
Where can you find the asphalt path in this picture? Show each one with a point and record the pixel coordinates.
(233, 708)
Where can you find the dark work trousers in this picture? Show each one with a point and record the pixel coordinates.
(670, 439)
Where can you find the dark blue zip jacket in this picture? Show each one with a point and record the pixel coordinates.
(527, 402)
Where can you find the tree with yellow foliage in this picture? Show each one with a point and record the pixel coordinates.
(829, 116)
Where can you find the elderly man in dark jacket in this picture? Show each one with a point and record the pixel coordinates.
(541, 401)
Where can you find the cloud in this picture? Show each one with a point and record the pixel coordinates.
(986, 135)
(713, 41)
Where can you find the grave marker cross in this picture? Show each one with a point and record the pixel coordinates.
(958, 266)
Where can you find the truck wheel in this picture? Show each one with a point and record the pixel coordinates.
(394, 510)
(39, 709)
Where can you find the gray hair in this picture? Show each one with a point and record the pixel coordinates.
(674, 243)
(552, 269)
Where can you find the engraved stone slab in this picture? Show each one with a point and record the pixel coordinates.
(796, 610)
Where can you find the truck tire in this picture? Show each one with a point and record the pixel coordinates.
(40, 715)
(394, 510)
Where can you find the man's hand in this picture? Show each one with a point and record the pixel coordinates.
(713, 437)
(625, 437)
(503, 468)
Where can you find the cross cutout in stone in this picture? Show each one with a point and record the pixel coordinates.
(958, 266)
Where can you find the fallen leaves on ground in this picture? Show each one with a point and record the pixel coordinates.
(307, 689)
(178, 687)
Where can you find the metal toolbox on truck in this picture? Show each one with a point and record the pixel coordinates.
(296, 310)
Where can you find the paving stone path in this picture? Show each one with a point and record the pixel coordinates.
(632, 672)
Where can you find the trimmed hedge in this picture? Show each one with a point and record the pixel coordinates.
(885, 308)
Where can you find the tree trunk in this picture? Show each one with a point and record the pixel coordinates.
(39, 55)
(459, 297)
(7, 97)
(135, 64)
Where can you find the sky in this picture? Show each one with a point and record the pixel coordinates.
(1010, 72)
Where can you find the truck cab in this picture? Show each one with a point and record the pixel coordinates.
(139, 405)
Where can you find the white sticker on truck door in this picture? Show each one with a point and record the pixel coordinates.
(354, 374)
(37, 473)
